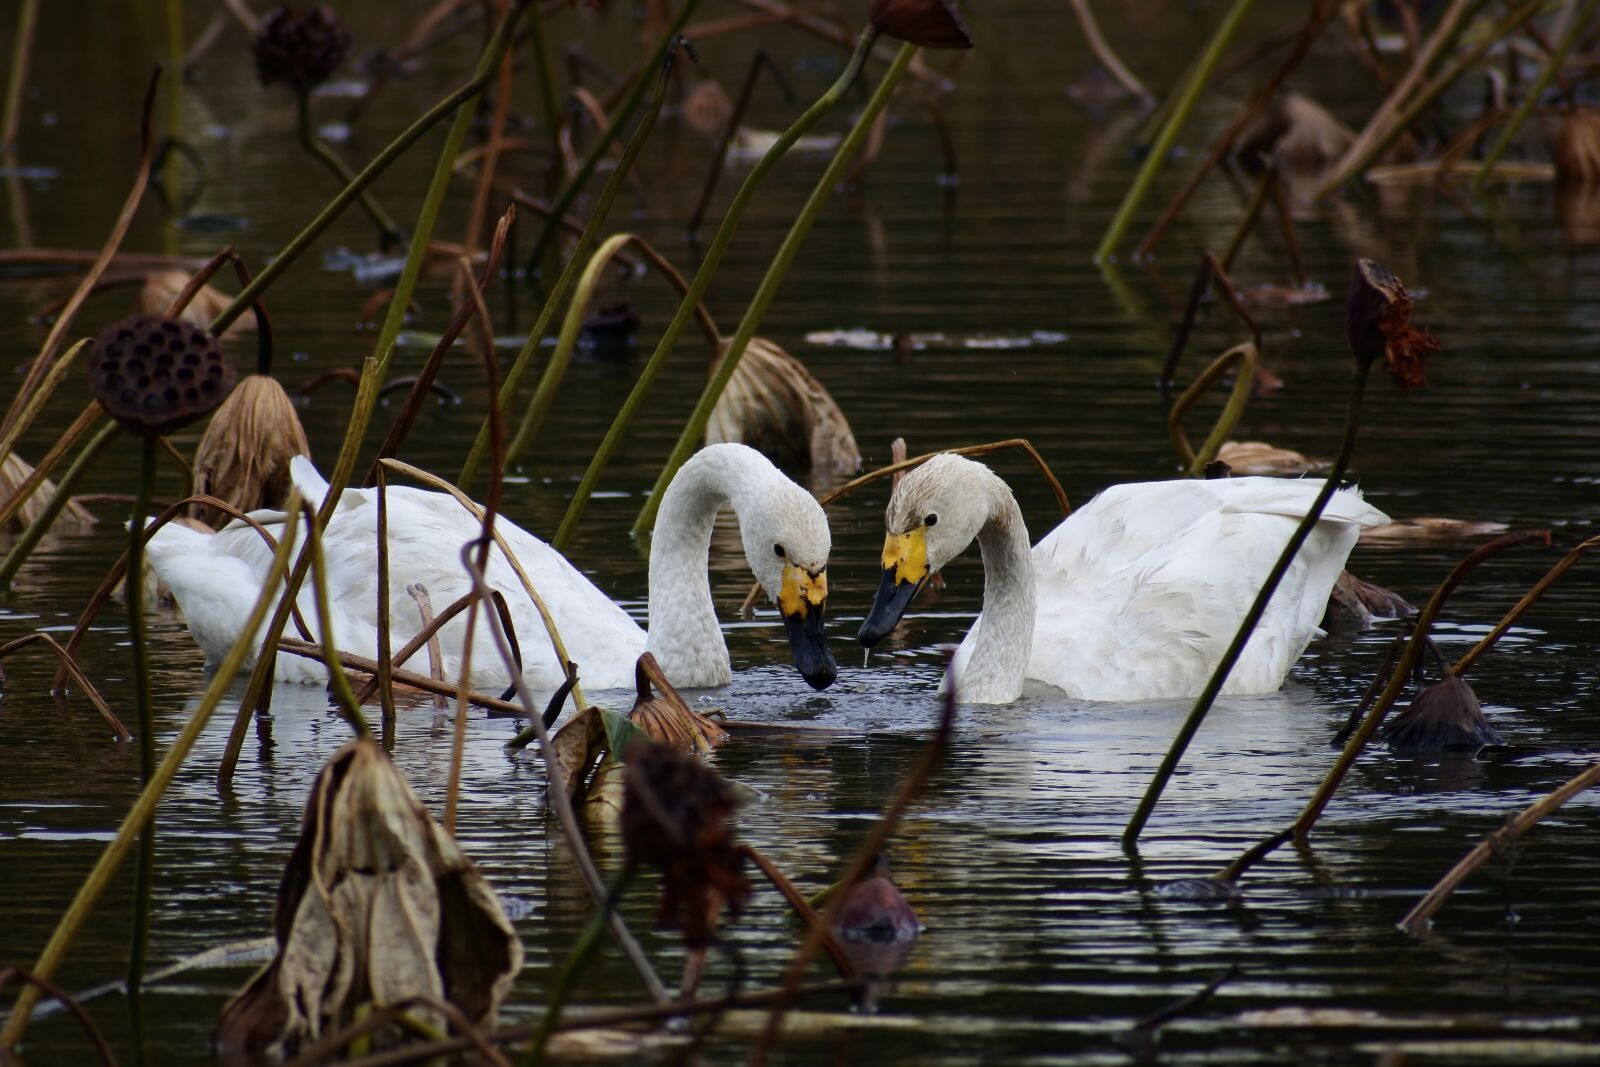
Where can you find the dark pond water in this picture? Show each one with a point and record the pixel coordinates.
(1045, 940)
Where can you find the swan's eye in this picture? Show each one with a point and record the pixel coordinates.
(777, 550)
(931, 520)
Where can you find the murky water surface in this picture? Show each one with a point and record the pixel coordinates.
(1045, 940)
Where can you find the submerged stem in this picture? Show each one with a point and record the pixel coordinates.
(1247, 626)
(134, 585)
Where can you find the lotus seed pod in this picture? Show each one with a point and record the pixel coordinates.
(300, 47)
(155, 374)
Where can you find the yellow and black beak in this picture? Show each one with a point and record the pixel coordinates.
(803, 599)
(905, 572)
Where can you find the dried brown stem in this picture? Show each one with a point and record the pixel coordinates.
(419, 593)
(802, 907)
(27, 977)
(1417, 919)
(1102, 52)
(866, 855)
(70, 666)
(330, 1046)
(1521, 607)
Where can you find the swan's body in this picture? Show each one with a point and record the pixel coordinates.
(1135, 596)
(217, 577)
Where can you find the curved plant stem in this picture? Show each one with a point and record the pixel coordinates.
(144, 807)
(1247, 626)
(560, 988)
(1242, 358)
(1169, 131)
(694, 430)
(29, 539)
(36, 400)
(487, 65)
(622, 114)
(81, 425)
(1417, 919)
(1402, 674)
(717, 248)
(559, 796)
(550, 380)
(1542, 586)
(388, 232)
(591, 230)
(17, 81)
(1575, 28)
(146, 870)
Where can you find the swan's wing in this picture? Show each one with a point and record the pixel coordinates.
(1141, 591)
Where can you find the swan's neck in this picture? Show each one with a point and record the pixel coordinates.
(1002, 644)
(684, 635)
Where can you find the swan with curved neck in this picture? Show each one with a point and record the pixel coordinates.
(216, 577)
(1134, 596)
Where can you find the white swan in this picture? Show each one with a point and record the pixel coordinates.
(1135, 596)
(217, 577)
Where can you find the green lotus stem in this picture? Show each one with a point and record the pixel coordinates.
(1169, 131)
(487, 65)
(544, 395)
(560, 990)
(1242, 358)
(695, 429)
(338, 681)
(619, 118)
(134, 587)
(94, 886)
(1247, 627)
(1423, 100)
(1575, 29)
(391, 235)
(36, 400)
(708, 266)
(29, 538)
(16, 84)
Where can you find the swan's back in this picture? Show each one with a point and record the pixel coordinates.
(1141, 590)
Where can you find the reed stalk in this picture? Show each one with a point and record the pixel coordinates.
(1355, 162)
(1530, 98)
(488, 63)
(29, 539)
(146, 870)
(719, 247)
(95, 885)
(694, 430)
(338, 681)
(1528, 599)
(17, 80)
(1169, 131)
(1247, 626)
(621, 116)
(35, 401)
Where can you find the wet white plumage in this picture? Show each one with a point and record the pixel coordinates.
(217, 577)
(1138, 593)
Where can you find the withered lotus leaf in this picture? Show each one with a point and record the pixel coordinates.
(927, 23)
(377, 904)
(776, 406)
(674, 818)
(1378, 322)
(244, 456)
(1444, 715)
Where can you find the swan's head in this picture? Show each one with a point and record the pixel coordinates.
(934, 514)
(786, 542)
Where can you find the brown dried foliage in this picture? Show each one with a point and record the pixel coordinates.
(926, 23)
(1577, 151)
(1444, 715)
(377, 905)
(244, 456)
(674, 818)
(1378, 322)
(300, 47)
(775, 405)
